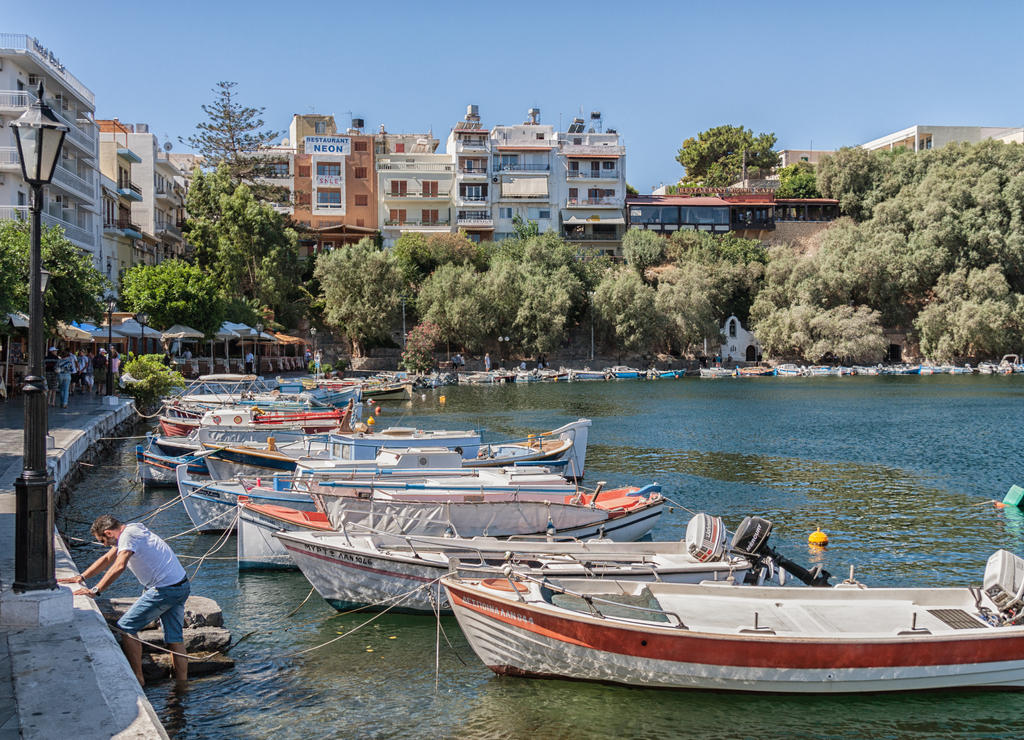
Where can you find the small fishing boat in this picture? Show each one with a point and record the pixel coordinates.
(821, 370)
(623, 372)
(789, 370)
(754, 371)
(867, 370)
(588, 374)
(721, 636)
(352, 570)
(156, 468)
(387, 391)
(717, 372)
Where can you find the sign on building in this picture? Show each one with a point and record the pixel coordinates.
(341, 145)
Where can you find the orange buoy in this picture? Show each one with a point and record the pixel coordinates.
(442, 400)
(817, 538)
(377, 410)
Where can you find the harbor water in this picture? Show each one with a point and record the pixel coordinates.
(900, 472)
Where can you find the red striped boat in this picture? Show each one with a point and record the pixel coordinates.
(764, 639)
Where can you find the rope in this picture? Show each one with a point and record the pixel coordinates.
(136, 436)
(164, 649)
(153, 415)
(276, 621)
(375, 617)
(218, 545)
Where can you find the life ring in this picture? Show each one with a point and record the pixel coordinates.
(238, 419)
(503, 584)
(216, 420)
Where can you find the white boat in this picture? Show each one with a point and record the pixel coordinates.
(789, 370)
(717, 372)
(846, 639)
(588, 374)
(353, 570)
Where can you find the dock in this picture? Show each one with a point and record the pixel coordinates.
(62, 673)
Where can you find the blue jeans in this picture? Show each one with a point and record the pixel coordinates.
(64, 381)
(168, 603)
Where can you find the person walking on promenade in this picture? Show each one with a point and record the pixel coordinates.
(50, 371)
(115, 367)
(248, 362)
(99, 372)
(487, 362)
(65, 369)
(166, 585)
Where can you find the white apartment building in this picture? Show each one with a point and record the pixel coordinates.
(470, 147)
(414, 185)
(589, 185)
(72, 200)
(522, 158)
(920, 137)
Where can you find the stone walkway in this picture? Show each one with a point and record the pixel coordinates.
(79, 661)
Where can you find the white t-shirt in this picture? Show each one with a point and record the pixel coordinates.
(153, 561)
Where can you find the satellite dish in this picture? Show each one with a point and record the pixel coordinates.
(168, 146)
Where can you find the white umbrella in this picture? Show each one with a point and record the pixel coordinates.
(227, 334)
(180, 331)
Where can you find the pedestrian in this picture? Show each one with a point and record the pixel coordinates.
(166, 359)
(99, 372)
(65, 369)
(115, 367)
(50, 370)
(87, 378)
(248, 362)
(166, 585)
(487, 362)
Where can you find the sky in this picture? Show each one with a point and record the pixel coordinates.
(819, 74)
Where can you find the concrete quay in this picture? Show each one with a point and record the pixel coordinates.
(62, 673)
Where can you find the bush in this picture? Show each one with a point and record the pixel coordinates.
(151, 380)
(325, 367)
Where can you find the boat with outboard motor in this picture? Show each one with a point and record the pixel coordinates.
(718, 636)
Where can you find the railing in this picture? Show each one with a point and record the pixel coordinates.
(506, 167)
(408, 222)
(573, 237)
(464, 144)
(594, 202)
(76, 233)
(482, 171)
(169, 228)
(419, 194)
(593, 175)
(128, 185)
(413, 166)
(23, 42)
(71, 180)
(13, 99)
(475, 221)
(9, 156)
(125, 224)
(472, 198)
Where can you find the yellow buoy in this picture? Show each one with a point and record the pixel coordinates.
(817, 538)
(371, 421)
(442, 400)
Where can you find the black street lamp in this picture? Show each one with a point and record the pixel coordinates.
(111, 307)
(312, 332)
(143, 318)
(39, 136)
(259, 336)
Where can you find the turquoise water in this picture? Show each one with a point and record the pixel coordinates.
(897, 470)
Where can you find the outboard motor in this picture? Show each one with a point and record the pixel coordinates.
(705, 537)
(751, 541)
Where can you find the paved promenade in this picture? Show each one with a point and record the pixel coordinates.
(66, 680)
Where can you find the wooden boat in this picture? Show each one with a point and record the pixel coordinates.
(156, 468)
(764, 639)
(755, 371)
(352, 570)
(789, 370)
(388, 391)
(622, 372)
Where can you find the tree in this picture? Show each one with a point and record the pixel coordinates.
(247, 246)
(630, 190)
(360, 287)
(688, 299)
(627, 305)
(716, 157)
(232, 134)
(798, 181)
(418, 356)
(417, 255)
(546, 303)
(643, 249)
(451, 300)
(174, 292)
(524, 229)
(75, 285)
(848, 176)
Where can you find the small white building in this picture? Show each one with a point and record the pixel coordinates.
(920, 137)
(740, 345)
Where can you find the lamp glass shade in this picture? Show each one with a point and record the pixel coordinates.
(44, 280)
(111, 305)
(142, 318)
(39, 136)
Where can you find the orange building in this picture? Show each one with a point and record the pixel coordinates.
(335, 188)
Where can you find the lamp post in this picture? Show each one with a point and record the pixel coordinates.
(259, 336)
(111, 307)
(312, 333)
(39, 137)
(403, 323)
(590, 294)
(143, 318)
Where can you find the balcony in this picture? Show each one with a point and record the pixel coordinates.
(481, 221)
(473, 172)
(417, 195)
(594, 203)
(584, 237)
(516, 167)
(129, 190)
(77, 234)
(9, 159)
(473, 199)
(16, 101)
(80, 186)
(593, 175)
(169, 194)
(168, 229)
(469, 145)
(384, 165)
(13, 101)
(128, 228)
(410, 223)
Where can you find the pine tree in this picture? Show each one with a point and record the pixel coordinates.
(233, 133)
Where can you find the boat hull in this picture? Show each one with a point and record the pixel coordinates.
(513, 639)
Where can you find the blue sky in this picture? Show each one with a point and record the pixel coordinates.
(833, 74)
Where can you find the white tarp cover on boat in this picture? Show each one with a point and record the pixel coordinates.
(465, 519)
(524, 187)
(592, 217)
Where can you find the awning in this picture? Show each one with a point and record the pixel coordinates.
(180, 331)
(524, 187)
(288, 339)
(592, 217)
(225, 332)
(73, 334)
